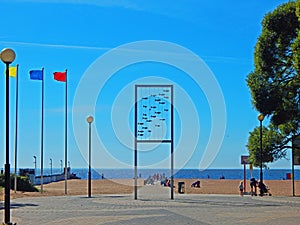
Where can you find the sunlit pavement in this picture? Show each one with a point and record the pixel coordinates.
(154, 206)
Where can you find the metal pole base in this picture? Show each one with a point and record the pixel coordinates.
(89, 185)
(7, 195)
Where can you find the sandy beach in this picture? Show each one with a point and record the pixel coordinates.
(211, 186)
(125, 186)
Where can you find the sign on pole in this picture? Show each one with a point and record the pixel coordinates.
(296, 150)
(295, 157)
(245, 159)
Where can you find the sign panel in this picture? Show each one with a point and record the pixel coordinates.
(153, 111)
(296, 150)
(244, 159)
(296, 160)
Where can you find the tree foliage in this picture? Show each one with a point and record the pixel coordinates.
(275, 82)
(274, 145)
(296, 44)
(23, 183)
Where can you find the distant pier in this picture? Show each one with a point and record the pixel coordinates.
(36, 180)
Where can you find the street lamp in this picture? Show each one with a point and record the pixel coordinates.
(51, 168)
(61, 166)
(261, 118)
(90, 119)
(7, 56)
(34, 162)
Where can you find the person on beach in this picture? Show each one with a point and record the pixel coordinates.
(241, 187)
(168, 184)
(264, 189)
(196, 184)
(253, 186)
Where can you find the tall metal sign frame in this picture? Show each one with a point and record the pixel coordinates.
(153, 122)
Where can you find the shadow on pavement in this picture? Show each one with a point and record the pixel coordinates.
(18, 205)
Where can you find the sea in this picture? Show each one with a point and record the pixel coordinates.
(235, 174)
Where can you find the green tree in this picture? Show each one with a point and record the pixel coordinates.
(275, 82)
(296, 44)
(274, 145)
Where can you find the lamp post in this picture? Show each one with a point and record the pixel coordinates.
(90, 119)
(51, 169)
(261, 118)
(7, 56)
(34, 162)
(61, 166)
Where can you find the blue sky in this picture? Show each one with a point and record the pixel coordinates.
(81, 35)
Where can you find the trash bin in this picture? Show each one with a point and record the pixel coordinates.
(181, 187)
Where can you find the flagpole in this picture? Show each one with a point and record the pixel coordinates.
(42, 134)
(16, 129)
(66, 136)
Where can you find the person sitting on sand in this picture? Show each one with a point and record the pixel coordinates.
(196, 184)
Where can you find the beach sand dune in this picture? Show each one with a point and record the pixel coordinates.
(125, 186)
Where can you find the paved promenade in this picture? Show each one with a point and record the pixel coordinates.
(154, 206)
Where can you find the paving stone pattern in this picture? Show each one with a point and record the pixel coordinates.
(154, 206)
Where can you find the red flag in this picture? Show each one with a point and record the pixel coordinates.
(60, 76)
